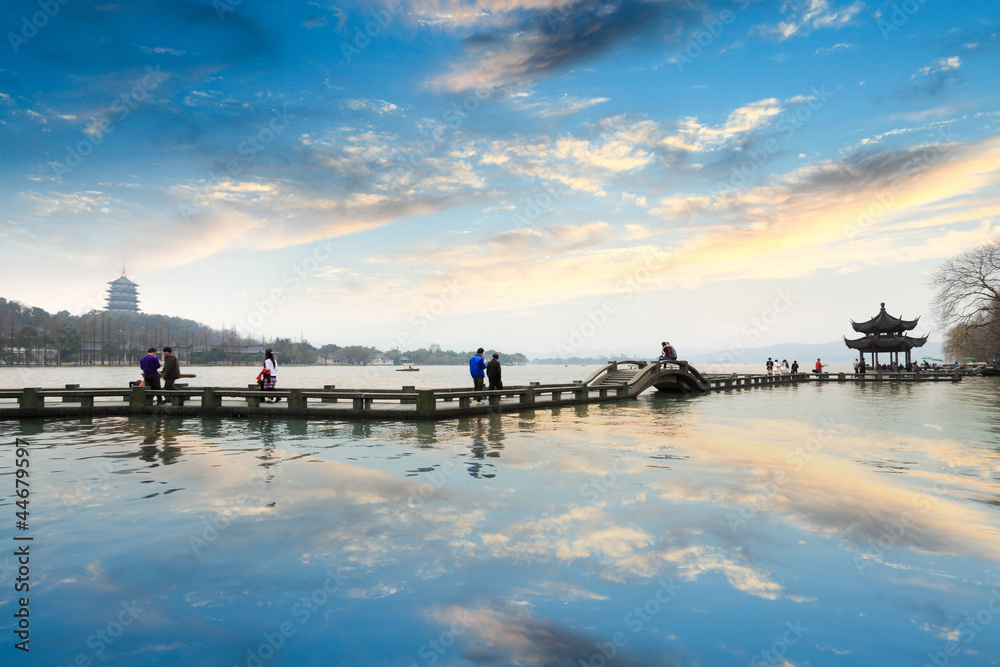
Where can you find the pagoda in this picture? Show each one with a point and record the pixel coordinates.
(884, 334)
(122, 296)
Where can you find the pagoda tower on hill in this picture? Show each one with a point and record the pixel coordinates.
(885, 334)
(122, 295)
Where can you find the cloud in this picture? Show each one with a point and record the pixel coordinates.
(503, 633)
(549, 108)
(380, 107)
(942, 65)
(807, 16)
(931, 80)
(552, 37)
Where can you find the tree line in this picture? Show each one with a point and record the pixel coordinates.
(33, 336)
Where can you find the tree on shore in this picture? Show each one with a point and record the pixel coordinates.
(967, 301)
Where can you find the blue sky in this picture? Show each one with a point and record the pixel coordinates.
(545, 177)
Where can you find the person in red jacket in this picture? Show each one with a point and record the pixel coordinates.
(819, 367)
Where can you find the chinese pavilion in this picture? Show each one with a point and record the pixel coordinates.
(122, 296)
(884, 334)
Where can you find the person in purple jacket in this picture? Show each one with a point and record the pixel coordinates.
(150, 365)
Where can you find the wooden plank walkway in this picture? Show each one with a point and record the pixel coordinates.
(618, 380)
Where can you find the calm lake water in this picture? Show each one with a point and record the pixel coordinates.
(800, 525)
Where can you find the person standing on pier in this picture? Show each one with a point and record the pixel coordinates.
(493, 372)
(270, 374)
(770, 366)
(795, 367)
(476, 368)
(171, 368)
(150, 366)
(819, 367)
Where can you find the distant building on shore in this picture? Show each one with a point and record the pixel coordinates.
(122, 295)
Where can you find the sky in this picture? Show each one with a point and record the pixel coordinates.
(553, 178)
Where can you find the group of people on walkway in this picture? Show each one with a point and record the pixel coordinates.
(773, 367)
(150, 365)
(479, 369)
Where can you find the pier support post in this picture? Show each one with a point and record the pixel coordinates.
(329, 387)
(71, 399)
(210, 400)
(409, 389)
(426, 402)
(296, 401)
(138, 400)
(528, 397)
(30, 400)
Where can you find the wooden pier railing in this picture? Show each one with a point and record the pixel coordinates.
(617, 380)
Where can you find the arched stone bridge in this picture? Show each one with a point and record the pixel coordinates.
(638, 376)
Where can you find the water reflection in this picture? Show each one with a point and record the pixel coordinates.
(696, 527)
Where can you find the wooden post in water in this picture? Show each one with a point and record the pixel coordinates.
(137, 399)
(210, 400)
(426, 402)
(30, 400)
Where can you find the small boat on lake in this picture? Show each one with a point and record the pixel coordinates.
(408, 368)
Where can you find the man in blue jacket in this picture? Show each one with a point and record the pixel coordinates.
(476, 368)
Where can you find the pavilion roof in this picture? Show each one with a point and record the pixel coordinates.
(884, 323)
(122, 280)
(889, 343)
